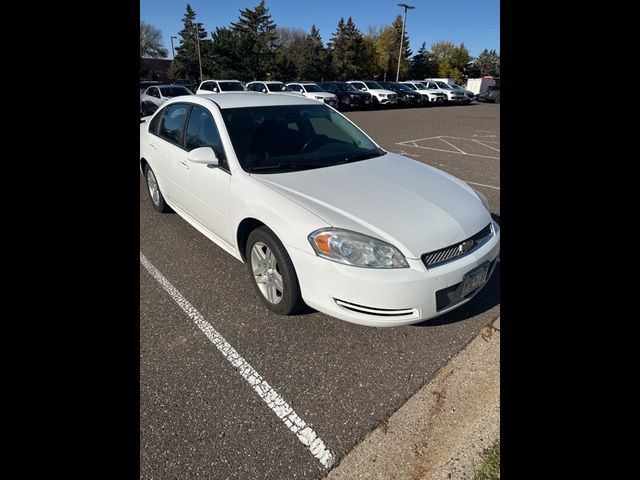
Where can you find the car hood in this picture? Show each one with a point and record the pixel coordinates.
(378, 91)
(404, 202)
(322, 94)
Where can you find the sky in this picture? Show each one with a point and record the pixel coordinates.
(474, 22)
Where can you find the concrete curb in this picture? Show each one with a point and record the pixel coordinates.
(441, 431)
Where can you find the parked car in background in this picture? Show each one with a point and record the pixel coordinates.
(454, 96)
(406, 96)
(218, 86)
(316, 210)
(468, 94)
(153, 97)
(348, 95)
(315, 92)
(491, 94)
(432, 97)
(269, 86)
(188, 84)
(379, 95)
(144, 84)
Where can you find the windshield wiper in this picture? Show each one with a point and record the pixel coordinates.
(364, 156)
(287, 166)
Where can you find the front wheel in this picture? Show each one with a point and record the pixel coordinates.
(272, 272)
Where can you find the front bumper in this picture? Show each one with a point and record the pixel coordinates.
(388, 297)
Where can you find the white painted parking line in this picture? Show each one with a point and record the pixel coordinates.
(483, 185)
(457, 151)
(274, 401)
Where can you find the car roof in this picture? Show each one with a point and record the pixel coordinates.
(223, 80)
(168, 86)
(266, 81)
(246, 99)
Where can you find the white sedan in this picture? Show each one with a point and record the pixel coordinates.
(318, 212)
(154, 96)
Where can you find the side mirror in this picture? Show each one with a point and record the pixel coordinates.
(363, 89)
(264, 90)
(215, 89)
(203, 156)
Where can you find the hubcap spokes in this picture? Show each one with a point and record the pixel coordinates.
(153, 188)
(266, 273)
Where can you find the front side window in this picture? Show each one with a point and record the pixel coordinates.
(202, 131)
(359, 85)
(295, 137)
(443, 85)
(170, 92)
(154, 92)
(172, 124)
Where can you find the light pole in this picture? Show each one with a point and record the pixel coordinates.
(172, 50)
(198, 43)
(405, 6)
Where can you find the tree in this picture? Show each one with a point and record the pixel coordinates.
(488, 63)
(451, 61)
(289, 50)
(313, 61)
(346, 49)
(256, 41)
(423, 64)
(220, 57)
(151, 41)
(186, 64)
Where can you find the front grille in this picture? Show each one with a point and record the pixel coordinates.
(446, 254)
(450, 296)
(392, 96)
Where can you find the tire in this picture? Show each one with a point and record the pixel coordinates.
(280, 296)
(153, 189)
(143, 109)
(497, 100)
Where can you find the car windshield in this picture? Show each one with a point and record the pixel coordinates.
(444, 85)
(455, 87)
(409, 86)
(231, 87)
(278, 87)
(420, 86)
(174, 91)
(373, 85)
(312, 87)
(346, 87)
(294, 137)
(402, 86)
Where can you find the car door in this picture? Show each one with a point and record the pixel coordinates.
(205, 187)
(168, 150)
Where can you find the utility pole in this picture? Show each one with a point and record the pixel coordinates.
(173, 53)
(405, 6)
(198, 43)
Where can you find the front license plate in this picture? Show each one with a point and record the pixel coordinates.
(474, 279)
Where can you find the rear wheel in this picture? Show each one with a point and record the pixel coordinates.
(274, 276)
(157, 200)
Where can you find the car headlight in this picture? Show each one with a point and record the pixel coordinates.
(319, 98)
(482, 198)
(382, 95)
(351, 248)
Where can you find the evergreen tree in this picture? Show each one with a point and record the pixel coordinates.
(256, 41)
(314, 55)
(221, 59)
(423, 64)
(346, 49)
(395, 47)
(186, 63)
(488, 63)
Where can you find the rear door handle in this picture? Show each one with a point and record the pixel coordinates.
(152, 146)
(184, 164)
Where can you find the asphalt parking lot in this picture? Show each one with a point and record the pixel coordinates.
(200, 418)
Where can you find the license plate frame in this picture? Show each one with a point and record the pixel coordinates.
(474, 278)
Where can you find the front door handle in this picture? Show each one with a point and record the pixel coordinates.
(152, 146)
(184, 164)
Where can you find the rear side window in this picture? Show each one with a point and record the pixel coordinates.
(172, 125)
(153, 126)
